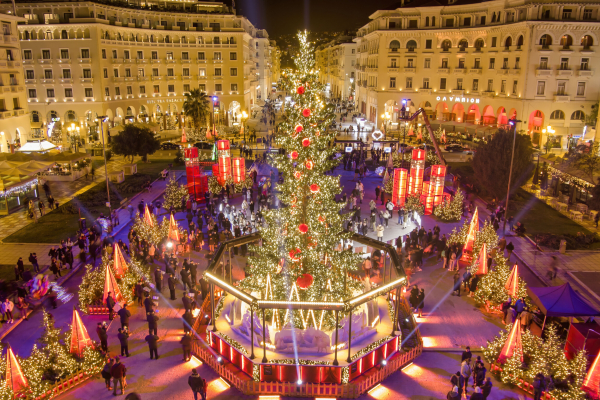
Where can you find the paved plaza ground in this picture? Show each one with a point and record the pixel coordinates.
(448, 325)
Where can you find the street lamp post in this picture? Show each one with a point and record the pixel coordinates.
(386, 117)
(101, 119)
(513, 123)
(244, 118)
(74, 133)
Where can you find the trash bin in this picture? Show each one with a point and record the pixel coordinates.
(563, 247)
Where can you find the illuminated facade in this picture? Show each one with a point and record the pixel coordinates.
(14, 114)
(484, 63)
(83, 59)
(336, 61)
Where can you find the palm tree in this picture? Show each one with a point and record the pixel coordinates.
(197, 107)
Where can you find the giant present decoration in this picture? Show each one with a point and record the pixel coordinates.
(417, 168)
(239, 169)
(399, 188)
(436, 183)
(197, 181)
(224, 157)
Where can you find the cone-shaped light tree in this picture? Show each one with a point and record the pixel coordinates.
(306, 233)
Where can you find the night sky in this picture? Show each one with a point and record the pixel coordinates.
(280, 17)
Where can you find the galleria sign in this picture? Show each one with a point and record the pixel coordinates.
(458, 99)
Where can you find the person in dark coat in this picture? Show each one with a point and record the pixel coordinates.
(152, 319)
(110, 303)
(187, 302)
(421, 302)
(197, 384)
(456, 288)
(158, 278)
(123, 336)
(139, 292)
(477, 395)
(486, 389)
(414, 297)
(103, 336)
(188, 320)
(193, 274)
(124, 313)
(186, 344)
(185, 279)
(466, 355)
(153, 345)
(148, 303)
(172, 283)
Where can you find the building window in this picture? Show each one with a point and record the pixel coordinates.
(47, 74)
(114, 54)
(201, 55)
(425, 83)
(105, 71)
(544, 63)
(129, 90)
(585, 64)
(217, 55)
(494, 40)
(517, 62)
(444, 63)
(477, 64)
(564, 63)
(505, 63)
(578, 116)
(217, 71)
(202, 87)
(449, 23)
(107, 91)
(171, 88)
(186, 88)
(154, 55)
(142, 89)
(46, 54)
(566, 14)
(128, 72)
(392, 83)
(64, 54)
(85, 53)
(202, 72)
(459, 83)
(87, 73)
(32, 93)
(68, 92)
(89, 92)
(169, 55)
(467, 21)
(218, 87)
(427, 63)
(475, 85)
(104, 54)
(557, 114)
(50, 93)
(492, 63)
(117, 91)
(581, 89)
(461, 63)
(409, 81)
(156, 89)
(186, 72)
(170, 72)
(442, 83)
(234, 87)
(233, 56)
(410, 63)
(233, 71)
(126, 54)
(140, 55)
(503, 86)
(490, 85)
(185, 55)
(428, 43)
(393, 63)
(541, 88)
(29, 74)
(587, 14)
(141, 72)
(27, 55)
(482, 20)
(515, 86)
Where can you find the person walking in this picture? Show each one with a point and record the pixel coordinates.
(123, 336)
(153, 346)
(421, 302)
(509, 248)
(106, 373)
(118, 371)
(124, 314)
(186, 345)
(197, 384)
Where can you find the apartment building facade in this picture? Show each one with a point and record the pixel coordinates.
(84, 59)
(14, 116)
(336, 62)
(484, 63)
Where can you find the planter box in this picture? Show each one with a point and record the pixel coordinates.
(97, 310)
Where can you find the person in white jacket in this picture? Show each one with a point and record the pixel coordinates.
(6, 309)
(380, 232)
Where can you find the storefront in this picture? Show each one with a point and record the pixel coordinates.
(15, 192)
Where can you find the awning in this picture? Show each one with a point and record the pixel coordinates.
(36, 146)
(561, 301)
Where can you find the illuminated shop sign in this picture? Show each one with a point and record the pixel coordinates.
(458, 99)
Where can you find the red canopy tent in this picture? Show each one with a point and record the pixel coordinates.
(467, 254)
(110, 285)
(173, 229)
(147, 216)
(14, 375)
(482, 266)
(513, 341)
(80, 339)
(119, 261)
(512, 284)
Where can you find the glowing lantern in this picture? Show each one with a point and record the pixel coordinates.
(473, 229)
(417, 167)
(512, 342)
(314, 188)
(299, 128)
(306, 112)
(80, 339)
(512, 284)
(239, 169)
(399, 189)
(294, 155)
(309, 164)
(224, 160)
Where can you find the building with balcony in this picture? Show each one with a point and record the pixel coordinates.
(483, 63)
(14, 115)
(336, 61)
(84, 59)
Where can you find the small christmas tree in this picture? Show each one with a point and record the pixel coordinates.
(451, 210)
(413, 203)
(486, 235)
(512, 370)
(153, 232)
(175, 195)
(492, 287)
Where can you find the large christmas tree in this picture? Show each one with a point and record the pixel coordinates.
(300, 252)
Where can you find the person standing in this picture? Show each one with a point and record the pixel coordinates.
(101, 330)
(465, 374)
(486, 389)
(118, 372)
(456, 289)
(110, 303)
(106, 373)
(34, 261)
(139, 292)
(158, 278)
(123, 336)
(539, 385)
(421, 302)
(6, 308)
(197, 384)
(186, 344)
(148, 304)
(124, 314)
(153, 345)
(188, 320)
(509, 248)
(20, 268)
(152, 320)
(172, 283)
(380, 230)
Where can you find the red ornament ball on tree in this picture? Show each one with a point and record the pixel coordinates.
(306, 142)
(314, 188)
(306, 112)
(297, 175)
(321, 219)
(305, 281)
(300, 90)
(299, 128)
(303, 228)
(294, 155)
(309, 164)
(293, 254)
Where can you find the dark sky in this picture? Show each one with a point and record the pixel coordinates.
(280, 17)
